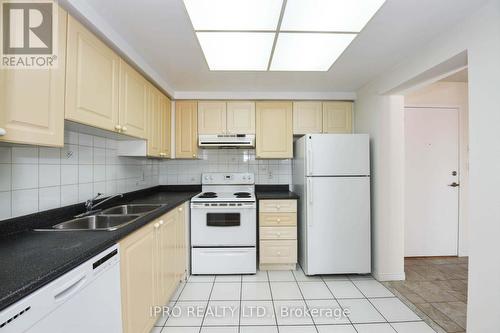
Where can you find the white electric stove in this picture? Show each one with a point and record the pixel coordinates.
(223, 225)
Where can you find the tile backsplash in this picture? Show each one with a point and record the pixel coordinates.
(37, 178)
(175, 172)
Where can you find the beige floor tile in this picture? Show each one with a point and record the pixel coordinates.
(457, 311)
(440, 318)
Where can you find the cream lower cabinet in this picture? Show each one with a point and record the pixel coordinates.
(186, 130)
(277, 234)
(337, 117)
(32, 101)
(274, 130)
(92, 79)
(153, 261)
(138, 275)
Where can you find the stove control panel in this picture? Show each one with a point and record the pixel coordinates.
(220, 178)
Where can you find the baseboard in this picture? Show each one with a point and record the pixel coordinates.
(277, 267)
(389, 276)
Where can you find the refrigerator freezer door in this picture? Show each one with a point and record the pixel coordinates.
(338, 225)
(338, 155)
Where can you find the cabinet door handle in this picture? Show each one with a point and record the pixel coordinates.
(180, 209)
(124, 129)
(157, 225)
(161, 222)
(2, 132)
(118, 128)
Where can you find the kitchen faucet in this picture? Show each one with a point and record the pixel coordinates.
(91, 207)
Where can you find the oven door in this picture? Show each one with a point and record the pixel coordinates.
(223, 225)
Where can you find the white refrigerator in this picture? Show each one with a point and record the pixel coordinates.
(331, 173)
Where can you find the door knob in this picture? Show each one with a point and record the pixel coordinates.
(454, 184)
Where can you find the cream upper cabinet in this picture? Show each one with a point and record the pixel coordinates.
(166, 127)
(186, 129)
(133, 101)
(155, 118)
(92, 79)
(240, 117)
(37, 117)
(138, 275)
(307, 117)
(211, 117)
(274, 133)
(337, 117)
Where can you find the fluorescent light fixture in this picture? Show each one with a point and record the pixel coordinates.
(308, 51)
(250, 15)
(231, 51)
(329, 15)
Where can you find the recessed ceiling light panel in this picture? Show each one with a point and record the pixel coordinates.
(230, 51)
(329, 15)
(252, 15)
(308, 51)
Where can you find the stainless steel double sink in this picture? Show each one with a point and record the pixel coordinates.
(108, 220)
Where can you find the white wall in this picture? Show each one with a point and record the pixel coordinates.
(35, 179)
(452, 94)
(382, 118)
(479, 35)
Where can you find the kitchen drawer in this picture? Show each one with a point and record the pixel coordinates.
(274, 206)
(277, 219)
(278, 233)
(278, 252)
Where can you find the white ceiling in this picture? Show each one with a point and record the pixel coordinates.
(161, 39)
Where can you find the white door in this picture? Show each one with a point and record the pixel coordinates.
(338, 225)
(432, 173)
(338, 155)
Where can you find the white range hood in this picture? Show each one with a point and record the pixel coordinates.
(226, 141)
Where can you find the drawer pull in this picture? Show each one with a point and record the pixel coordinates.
(279, 234)
(279, 253)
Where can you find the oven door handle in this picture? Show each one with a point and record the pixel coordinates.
(223, 224)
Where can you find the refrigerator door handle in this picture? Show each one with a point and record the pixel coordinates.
(309, 195)
(309, 162)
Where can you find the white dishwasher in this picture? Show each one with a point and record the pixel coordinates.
(86, 299)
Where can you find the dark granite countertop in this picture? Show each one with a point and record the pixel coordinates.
(274, 192)
(31, 259)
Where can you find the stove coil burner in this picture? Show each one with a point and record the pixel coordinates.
(242, 195)
(207, 195)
